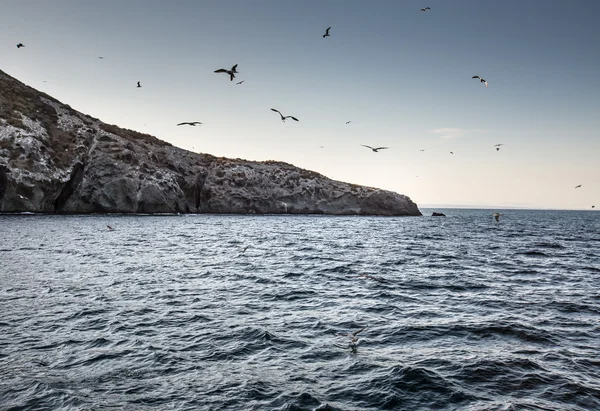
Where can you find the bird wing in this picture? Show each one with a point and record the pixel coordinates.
(233, 69)
(231, 75)
(475, 77)
(221, 71)
(327, 31)
(182, 124)
(197, 122)
(367, 146)
(277, 111)
(292, 117)
(427, 8)
(381, 148)
(354, 334)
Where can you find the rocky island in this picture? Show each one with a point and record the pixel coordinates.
(54, 159)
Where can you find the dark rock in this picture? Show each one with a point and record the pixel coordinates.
(438, 214)
(54, 159)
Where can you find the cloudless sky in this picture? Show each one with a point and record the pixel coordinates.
(403, 77)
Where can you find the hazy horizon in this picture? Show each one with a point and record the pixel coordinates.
(401, 76)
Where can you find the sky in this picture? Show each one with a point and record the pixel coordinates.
(401, 76)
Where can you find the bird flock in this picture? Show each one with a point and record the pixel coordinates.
(232, 75)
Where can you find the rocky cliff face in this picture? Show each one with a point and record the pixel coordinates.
(54, 159)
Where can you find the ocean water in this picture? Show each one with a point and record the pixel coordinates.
(210, 312)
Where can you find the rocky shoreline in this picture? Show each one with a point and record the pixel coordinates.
(54, 159)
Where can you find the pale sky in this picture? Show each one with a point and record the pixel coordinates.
(403, 77)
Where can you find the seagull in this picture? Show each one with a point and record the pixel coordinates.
(239, 82)
(426, 8)
(139, 85)
(348, 122)
(327, 32)
(498, 146)
(284, 117)
(578, 186)
(422, 150)
(20, 45)
(190, 123)
(375, 149)
(101, 58)
(497, 216)
(481, 80)
(451, 152)
(230, 72)
(353, 339)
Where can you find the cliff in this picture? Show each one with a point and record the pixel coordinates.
(54, 159)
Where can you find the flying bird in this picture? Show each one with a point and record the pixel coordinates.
(375, 149)
(451, 152)
(327, 32)
(189, 123)
(348, 122)
(421, 150)
(110, 228)
(230, 72)
(498, 146)
(578, 186)
(497, 216)
(353, 339)
(426, 8)
(593, 206)
(239, 82)
(139, 85)
(283, 118)
(481, 80)
(20, 45)
(101, 58)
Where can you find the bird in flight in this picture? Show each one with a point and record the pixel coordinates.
(375, 149)
(189, 123)
(327, 32)
(348, 122)
(422, 150)
(109, 228)
(20, 45)
(283, 118)
(593, 206)
(139, 85)
(498, 146)
(578, 186)
(426, 8)
(451, 152)
(481, 80)
(101, 58)
(497, 216)
(230, 72)
(239, 82)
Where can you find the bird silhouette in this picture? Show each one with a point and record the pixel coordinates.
(231, 72)
(348, 122)
(375, 149)
(190, 123)
(327, 32)
(481, 80)
(578, 186)
(239, 82)
(139, 85)
(283, 118)
(498, 146)
(422, 150)
(110, 228)
(451, 152)
(497, 216)
(426, 8)
(20, 45)
(101, 58)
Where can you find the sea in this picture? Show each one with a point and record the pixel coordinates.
(280, 312)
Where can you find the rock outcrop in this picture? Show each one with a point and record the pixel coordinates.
(54, 159)
(435, 214)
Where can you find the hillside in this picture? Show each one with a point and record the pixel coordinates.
(54, 159)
